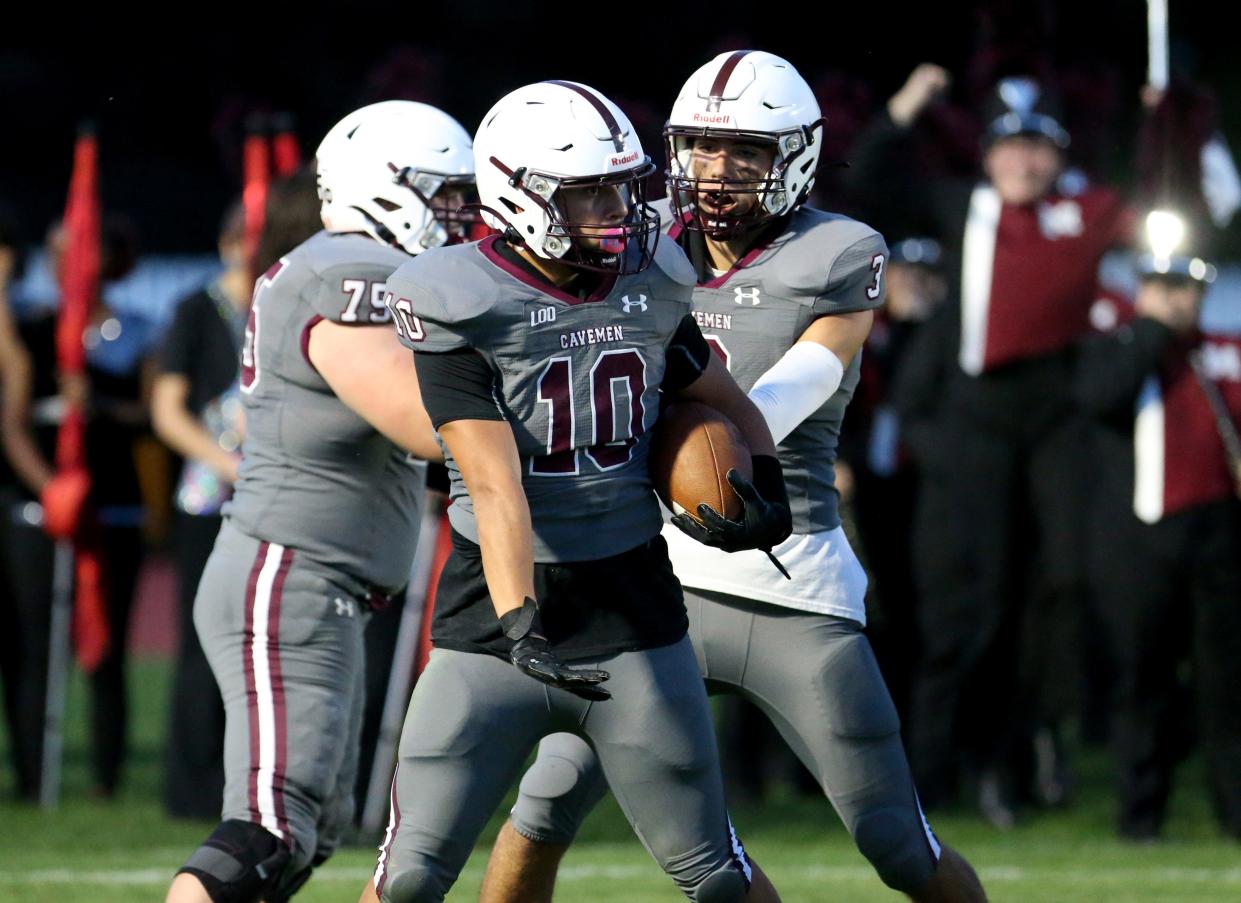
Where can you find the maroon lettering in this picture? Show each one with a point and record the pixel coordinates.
(556, 391)
(613, 432)
(623, 373)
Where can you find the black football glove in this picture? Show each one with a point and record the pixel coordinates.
(533, 655)
(765, 520)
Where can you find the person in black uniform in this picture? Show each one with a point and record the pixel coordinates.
(1165, 540)
(14, 377)
(1002, 607)
(116, 346)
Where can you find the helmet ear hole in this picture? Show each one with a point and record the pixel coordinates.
(386, 204)
(512, 208)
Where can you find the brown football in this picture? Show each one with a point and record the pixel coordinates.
(693, 448)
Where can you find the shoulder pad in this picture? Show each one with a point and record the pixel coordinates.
(446, 285)
(327, 256)
(818, 247)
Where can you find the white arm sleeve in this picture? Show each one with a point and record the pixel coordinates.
(796, 386)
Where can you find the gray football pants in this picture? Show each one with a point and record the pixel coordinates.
(474, 719)
(816, 678)
(285, 645)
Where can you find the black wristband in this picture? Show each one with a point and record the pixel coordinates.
(769, 479)
(521, 622)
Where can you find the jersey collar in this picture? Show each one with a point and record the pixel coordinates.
(524, 273)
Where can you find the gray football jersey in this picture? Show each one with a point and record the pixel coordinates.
(577, 380)
(823, 263)
(315, 476)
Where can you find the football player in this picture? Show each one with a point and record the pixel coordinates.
(323, 524)
(542, 353)
(785, 294)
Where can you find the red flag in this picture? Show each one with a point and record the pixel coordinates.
(256, 176)
(285, 150)
(80, 279)
(66, 496)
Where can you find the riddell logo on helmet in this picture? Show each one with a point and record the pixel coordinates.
(622, 160)
(719, 118)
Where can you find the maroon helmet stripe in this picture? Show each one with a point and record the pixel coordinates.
(721, 78)
(618, 138)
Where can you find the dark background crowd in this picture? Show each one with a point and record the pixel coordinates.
(1020, 605)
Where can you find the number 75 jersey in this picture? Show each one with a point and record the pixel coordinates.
(577, 379)
(315, 476)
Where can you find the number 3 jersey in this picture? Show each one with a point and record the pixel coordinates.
(315, 476)
(577, 380)
(818, 265)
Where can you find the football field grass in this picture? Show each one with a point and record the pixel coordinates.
(125, 850)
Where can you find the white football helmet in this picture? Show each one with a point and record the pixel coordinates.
(750, 95)
(381, 168)
(557, 135)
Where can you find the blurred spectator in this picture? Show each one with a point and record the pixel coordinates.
(291, 216)
(196, 410)
(14, 382)
(113, 390)
(1003, 603)
(884, 477)
(1165, 540)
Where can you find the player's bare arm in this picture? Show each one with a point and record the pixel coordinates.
(810, 372)
(842, 334)
(486, 454)
(371, 372)
(718, 389)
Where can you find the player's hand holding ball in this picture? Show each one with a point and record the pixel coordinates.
(765, 519)
(533, 655)
(697, 454)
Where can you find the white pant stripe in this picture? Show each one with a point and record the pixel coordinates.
(926, 826)
(263, 691)
(389, 834)
(739, 852)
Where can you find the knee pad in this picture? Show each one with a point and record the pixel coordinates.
(414, 885)
(725, 885)
(904, 854)
(554, 798)
(239, 863)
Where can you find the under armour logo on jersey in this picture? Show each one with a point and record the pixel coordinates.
(746, 293)
(345, 607)
(629, 305)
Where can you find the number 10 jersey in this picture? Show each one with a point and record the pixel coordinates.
(577, 379)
